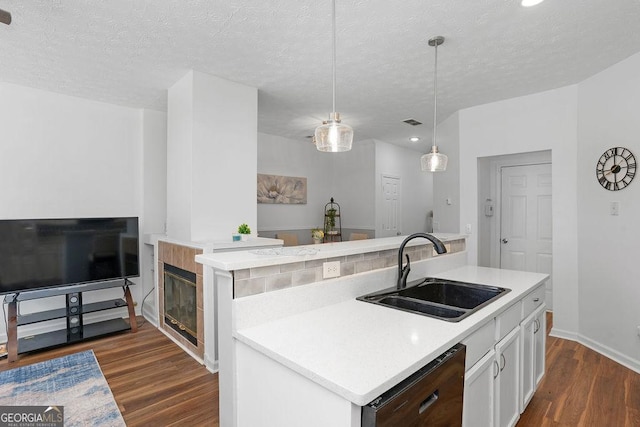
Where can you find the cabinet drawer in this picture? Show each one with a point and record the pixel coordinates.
(533, 300)
(479, 343)
(505, 322)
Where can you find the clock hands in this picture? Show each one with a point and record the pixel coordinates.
(615, 169)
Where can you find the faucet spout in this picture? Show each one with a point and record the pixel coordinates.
(404, 272)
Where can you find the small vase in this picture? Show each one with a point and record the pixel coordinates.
(317, 241)
(244, 237)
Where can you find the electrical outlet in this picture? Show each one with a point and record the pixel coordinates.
(467, 229)
(330, 269)
(639, 331)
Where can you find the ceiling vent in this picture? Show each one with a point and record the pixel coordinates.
(412, 122)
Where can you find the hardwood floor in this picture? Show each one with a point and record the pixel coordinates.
(155, 383)
(583, 388)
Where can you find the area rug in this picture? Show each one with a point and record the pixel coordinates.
(74, 382)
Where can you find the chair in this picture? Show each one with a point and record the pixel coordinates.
(289, 238)
(358, 236)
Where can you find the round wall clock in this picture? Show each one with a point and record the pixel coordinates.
(616, 168)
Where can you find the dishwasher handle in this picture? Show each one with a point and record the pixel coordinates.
(429, 401)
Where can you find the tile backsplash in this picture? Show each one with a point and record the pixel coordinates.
(257, 280)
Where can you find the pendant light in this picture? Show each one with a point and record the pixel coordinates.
(434, 161)
(334, 136)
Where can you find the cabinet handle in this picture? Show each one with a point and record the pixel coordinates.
(504, 362)
(536, 322)
(497, 370)
(536, 299)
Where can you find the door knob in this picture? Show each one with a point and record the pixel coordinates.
(505, 241)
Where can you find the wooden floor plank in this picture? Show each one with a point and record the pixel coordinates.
(155, 383)
(583, 388)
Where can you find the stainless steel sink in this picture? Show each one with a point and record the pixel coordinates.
(443, 299)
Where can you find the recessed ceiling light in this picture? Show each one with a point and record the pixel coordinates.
(414, 139)
(529, 3)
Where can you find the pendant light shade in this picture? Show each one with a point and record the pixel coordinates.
(434, 161)
(334, 136)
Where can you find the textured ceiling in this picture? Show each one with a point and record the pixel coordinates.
(129, 52)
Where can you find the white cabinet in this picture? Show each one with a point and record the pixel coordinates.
(507, 381)
(479, 392)
(533, 330)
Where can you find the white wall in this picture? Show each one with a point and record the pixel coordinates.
(446, 184)
(353, 185)
(62, 156)
(543, 121)
(353, 178)
(608, 106)
(288, 157)
(417, 186)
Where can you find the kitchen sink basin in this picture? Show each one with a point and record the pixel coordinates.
(443, 299)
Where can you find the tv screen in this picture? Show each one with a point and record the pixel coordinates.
(42, 253)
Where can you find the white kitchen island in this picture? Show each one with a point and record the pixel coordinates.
(313, 355)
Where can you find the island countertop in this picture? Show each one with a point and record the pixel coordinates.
(359, 350)
(230, 261)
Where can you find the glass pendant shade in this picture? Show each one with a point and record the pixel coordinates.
(434, 161)
(333, 136)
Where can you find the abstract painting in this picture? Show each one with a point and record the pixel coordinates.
(282, 189)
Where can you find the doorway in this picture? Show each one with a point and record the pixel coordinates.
(491, 206)
(391, 206)
(526, 220)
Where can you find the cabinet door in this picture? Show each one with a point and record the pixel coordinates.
(527, 357)
(479, 393)
(507, 383)
(540, 339)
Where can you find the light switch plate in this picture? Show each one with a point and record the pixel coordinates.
(615, 208)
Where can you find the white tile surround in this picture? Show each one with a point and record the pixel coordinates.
(251, 281)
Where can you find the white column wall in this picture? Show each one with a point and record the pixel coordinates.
(543, 121)
(212, 157)
(608, 106)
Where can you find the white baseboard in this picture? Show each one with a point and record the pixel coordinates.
(604, 350)
(150, 314)
(612, 354)
(567, 335)
(211, 365)
(179, 344)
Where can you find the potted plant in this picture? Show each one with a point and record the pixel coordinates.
(331, 221)
(244, 231)
(317, 235)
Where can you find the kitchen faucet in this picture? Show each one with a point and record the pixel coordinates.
(404, 272)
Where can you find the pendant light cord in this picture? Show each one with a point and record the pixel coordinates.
(435, 95)
(333, 15)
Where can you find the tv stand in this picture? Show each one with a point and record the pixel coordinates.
(76, 330)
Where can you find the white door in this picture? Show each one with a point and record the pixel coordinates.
(525, 229)
(391, 199)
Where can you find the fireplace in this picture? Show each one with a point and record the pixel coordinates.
(180, 296)
(180, 306)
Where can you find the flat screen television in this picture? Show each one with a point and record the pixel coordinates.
(44, 253)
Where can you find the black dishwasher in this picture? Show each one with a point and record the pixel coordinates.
(430, 397)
